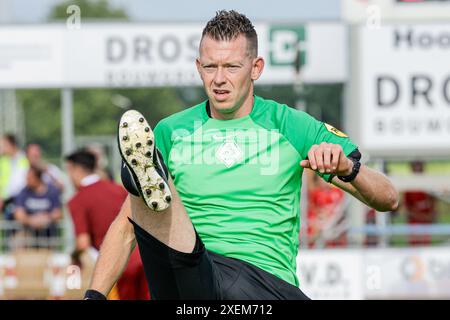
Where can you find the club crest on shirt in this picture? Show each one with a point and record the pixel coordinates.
(335, 131)
(229, 153)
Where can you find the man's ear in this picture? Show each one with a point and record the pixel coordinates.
(258, 67)
(199, 66)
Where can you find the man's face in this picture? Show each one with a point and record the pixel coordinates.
(227, 71)
(34, 154)
(75, 173)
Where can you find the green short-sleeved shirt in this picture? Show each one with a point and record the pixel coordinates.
(240, 179)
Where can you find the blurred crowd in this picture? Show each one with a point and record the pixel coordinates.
(31, 193)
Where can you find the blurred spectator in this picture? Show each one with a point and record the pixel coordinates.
(13, 171)
(51, 173)
(101, 162)
(420, 208)
(38, 208)
(371, 240)
(324, 211)
(93, 208)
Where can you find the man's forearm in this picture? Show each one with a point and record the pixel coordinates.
(115, 251)
(376, 190)
(372, 188)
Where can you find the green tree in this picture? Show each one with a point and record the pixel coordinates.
(95, 114)
(91, 9)
(42, 119)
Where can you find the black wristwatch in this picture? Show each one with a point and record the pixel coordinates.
(355, 170)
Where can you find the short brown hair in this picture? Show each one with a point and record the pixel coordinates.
(83, 158)
(12, 140)
(228, 25)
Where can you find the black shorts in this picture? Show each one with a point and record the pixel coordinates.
(205, 275)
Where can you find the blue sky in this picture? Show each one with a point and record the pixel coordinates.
(35, 11)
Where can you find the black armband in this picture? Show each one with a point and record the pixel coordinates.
(94, 295)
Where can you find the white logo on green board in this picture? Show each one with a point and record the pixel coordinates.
(287, 45)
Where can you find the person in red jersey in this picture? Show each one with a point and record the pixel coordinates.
(325, 203)
(420, 208)
(93, 208)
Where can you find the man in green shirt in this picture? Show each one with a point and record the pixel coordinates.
(224, 223)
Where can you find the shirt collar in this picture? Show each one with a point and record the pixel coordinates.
(90, 179)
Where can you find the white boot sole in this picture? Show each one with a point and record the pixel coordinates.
(137, 145)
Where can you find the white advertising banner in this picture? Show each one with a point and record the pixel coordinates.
(31, 56)
(387, 273)
(403, 83)
(140, 55)
(419, 273)
(331, 274)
